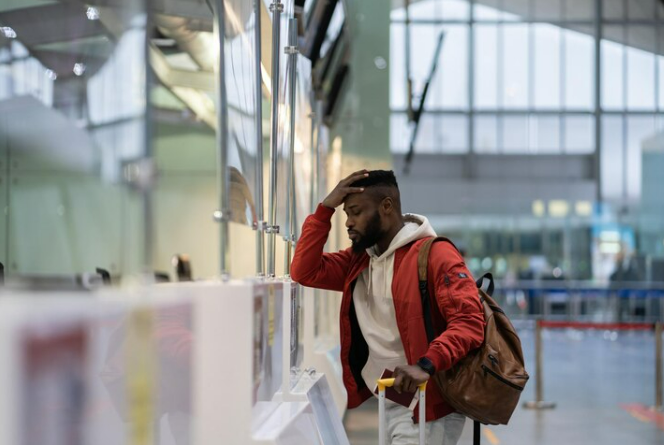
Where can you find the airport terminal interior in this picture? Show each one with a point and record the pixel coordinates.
(158, 159)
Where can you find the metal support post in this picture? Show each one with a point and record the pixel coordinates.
(469, 164)
(539, 402)
(258, 105)
(313, 198)
(291, 51)
(597, 167)
(145, 168)
(658, 366)
(277, 8)
(223, 214)
(319, 112)
(409, 79)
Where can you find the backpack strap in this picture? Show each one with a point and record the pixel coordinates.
(422, 272)
(489, 290)
(423, 257)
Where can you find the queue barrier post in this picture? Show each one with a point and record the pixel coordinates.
(539, 403)
(658, 366)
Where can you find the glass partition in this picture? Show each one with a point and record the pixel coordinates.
(72, 128)
(183, 57)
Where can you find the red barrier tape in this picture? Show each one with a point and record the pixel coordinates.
(645, 414)
(606, 326)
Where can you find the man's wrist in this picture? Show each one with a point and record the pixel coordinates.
(323, 213)
(427, 366)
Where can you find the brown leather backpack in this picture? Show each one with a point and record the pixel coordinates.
(487, 383)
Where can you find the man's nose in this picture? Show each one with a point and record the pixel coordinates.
(349, 223)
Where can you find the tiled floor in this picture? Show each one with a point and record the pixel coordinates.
(602, 382)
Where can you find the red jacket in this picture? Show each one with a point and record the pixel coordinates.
(460, 318)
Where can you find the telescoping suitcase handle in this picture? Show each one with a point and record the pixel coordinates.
(382, 427)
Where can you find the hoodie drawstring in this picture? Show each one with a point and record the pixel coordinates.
(370, 280)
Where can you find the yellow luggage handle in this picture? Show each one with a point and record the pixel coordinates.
(388, 383)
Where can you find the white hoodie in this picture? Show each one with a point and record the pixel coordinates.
(374, 305)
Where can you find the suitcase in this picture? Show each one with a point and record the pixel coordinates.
(382, 427)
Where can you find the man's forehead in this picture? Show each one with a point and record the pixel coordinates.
(355, 199)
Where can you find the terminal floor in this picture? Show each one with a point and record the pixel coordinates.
(602, 382)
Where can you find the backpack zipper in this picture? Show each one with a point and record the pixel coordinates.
(500, 378)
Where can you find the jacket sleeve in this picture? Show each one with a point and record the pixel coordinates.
(311, 267)
(459, 303)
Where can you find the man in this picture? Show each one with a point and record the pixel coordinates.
(381, 313)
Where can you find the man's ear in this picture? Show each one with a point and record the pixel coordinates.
(387, 206)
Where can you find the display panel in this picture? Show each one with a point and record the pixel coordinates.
(271, 363)
(53, 390)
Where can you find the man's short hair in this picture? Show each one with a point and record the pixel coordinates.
(384, 178)
(381, 184)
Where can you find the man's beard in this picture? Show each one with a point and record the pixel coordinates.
(372, 234)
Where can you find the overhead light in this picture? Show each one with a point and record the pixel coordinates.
(51, 74)
(92, 13)
(79, 69)
(8, 32)
(584, 208)
(538, 208)
(558, 208)
(380, 63)
(165, 42)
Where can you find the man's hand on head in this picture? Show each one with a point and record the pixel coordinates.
(408, 378)
(343, 189)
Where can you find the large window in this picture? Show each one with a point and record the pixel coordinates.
(521, 77)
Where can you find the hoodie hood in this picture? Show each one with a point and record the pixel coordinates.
(379, 279)
(415, 227)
